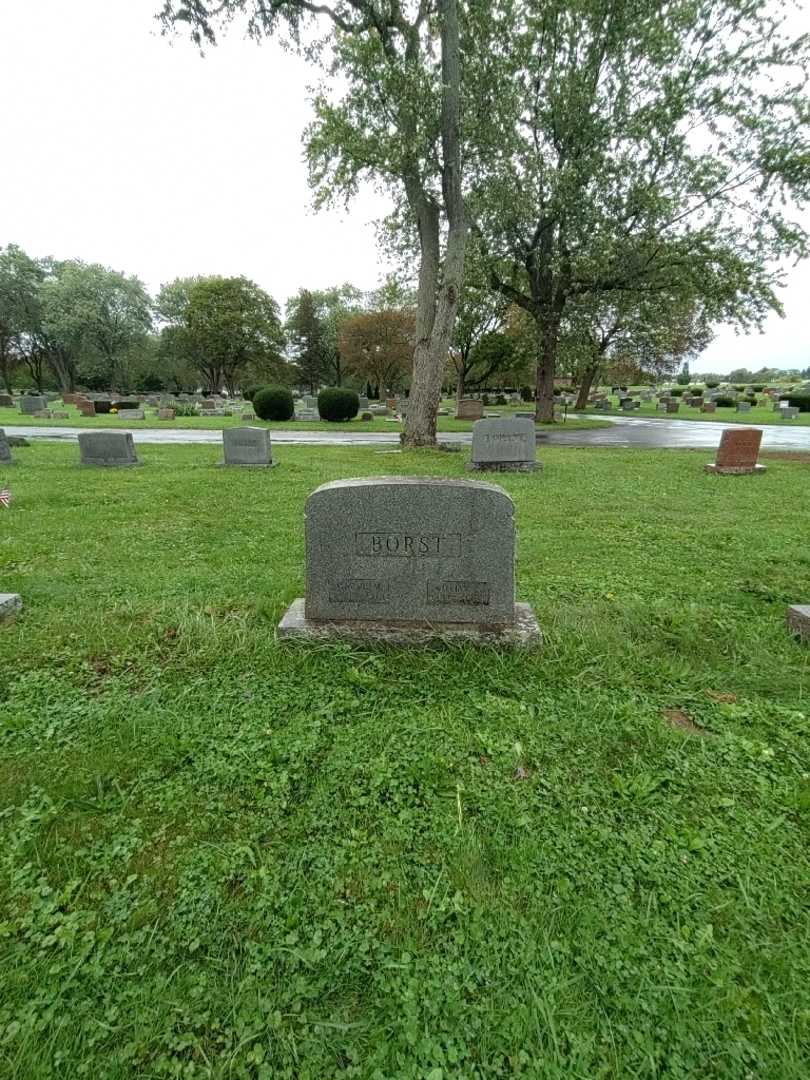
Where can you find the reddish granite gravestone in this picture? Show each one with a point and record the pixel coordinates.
(673, 406)
(737, 452)
(469, 409)
(86, 408)
(709, 406)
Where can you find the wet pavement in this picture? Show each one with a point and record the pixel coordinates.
(638, 433)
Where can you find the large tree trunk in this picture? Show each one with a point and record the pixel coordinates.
(459, 385)
(585, 386)
(548, 330)
(437, 301)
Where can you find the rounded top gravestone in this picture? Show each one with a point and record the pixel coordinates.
(410, 549)
(505, 444)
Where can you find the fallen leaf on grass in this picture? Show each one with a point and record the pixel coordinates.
(679, 719)
(723, 699)
(521, 773)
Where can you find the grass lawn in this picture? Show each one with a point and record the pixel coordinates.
(222, 857)
(760, 415)
(10, 417)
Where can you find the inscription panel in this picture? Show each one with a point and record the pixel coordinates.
(473, 593)
(410, 549)
(407, 545)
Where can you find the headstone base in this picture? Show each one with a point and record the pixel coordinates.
(247, 464)
(798, 620)
(734, 470)
(10, 604)
(505, 466)
(524, 633)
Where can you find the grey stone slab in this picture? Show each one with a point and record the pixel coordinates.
(107, 448)
(10, 604)
(247, 446)
(31, 405)
(130, 414)
(505, 444)
(523, 633)
(798, 620)
(6, 401)
(410, 549)
(5, 450)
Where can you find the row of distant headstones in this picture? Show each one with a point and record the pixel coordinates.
(498, 444)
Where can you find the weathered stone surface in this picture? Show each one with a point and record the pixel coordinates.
(5, 450)
(410, 549)
(248, 414)
(798, 620)
(43, 414)
(247, 446)
(522, 633)
(790, 412)
(673, 406)
(708, 407)
(743, 406)
(10, 604)
(107, 448)
(130, 414)
(506, 444)
(31, 405)
(86, 408)
(469, 409)
(166, 414)
(737, 452)
(6, 401)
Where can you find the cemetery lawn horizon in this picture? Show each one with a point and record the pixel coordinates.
(726, 415)
(225, 857)
(13, 417)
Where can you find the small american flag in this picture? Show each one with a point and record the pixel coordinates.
(5, 497)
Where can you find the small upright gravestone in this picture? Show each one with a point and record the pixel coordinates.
(10, 605)
(673, 406)
(406, 560)
(743, 406)
(6, 401)
(247, 446)
(737, 452)
(504, 445)
(130, 414)
(5, 450)
(798, 620)
(31, 405)
(708, 407)
(469, 409)
(166, 414)
(107, 448)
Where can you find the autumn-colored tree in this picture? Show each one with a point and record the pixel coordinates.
(378, 346)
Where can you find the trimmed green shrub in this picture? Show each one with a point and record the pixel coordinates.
(712, 385)
(485, 401)
(740, 389)
(758, 388)
(526, 393)
(500, 399)
(336, 404)
(725, 402)
(250, 392)
(274, 403)
(676, 391)
(800, 401)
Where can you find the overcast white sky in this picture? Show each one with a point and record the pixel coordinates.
(121, 148)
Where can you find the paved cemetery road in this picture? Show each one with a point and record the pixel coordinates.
(641, 433)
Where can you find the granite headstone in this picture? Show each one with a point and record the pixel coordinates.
(505, 444)
(406, 559)
(247, 446)
(737, 452)
(107, 448)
